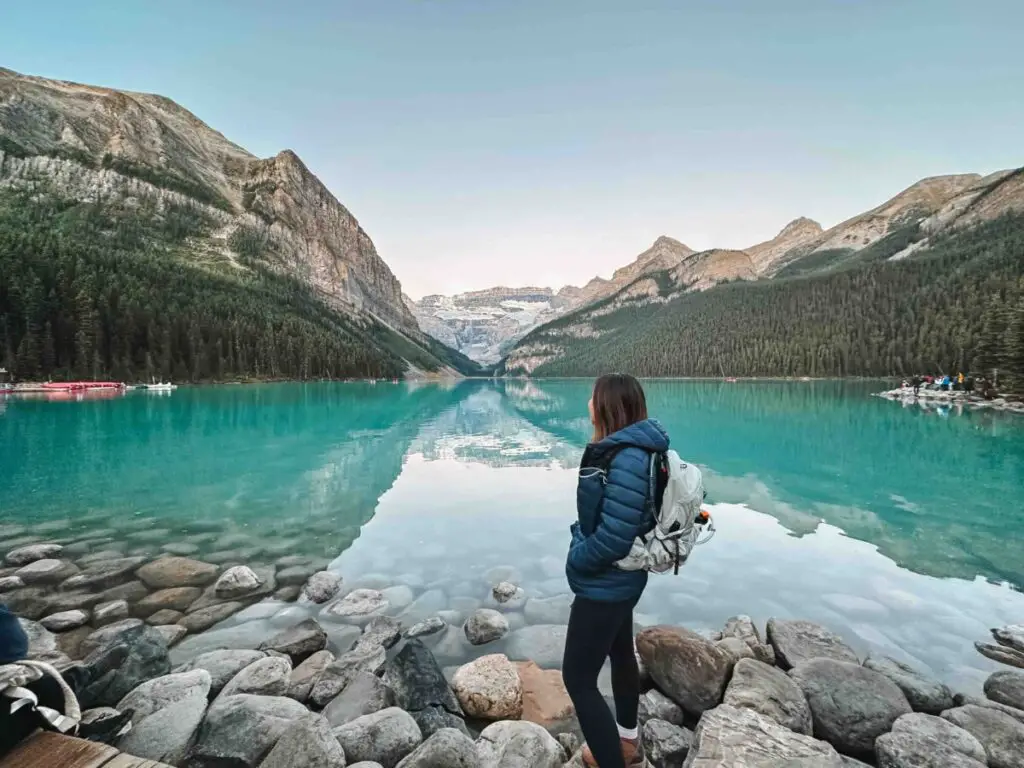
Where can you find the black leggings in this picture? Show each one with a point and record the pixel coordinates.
(599, 631)
(17, 727)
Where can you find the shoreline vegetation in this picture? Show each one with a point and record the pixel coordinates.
(243, 653)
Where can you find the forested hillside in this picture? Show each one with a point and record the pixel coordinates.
(956, 305)
(98, 290)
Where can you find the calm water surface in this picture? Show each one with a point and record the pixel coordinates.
(897, 527)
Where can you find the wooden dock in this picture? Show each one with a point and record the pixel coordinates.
(51, 750)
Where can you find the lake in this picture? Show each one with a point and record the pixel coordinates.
(895, 526)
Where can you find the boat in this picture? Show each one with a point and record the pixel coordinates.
(162, 387)
(80, 386)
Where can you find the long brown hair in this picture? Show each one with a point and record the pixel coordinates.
(618, 402)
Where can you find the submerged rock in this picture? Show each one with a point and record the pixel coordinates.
(108, 575)
(850, 704)
(46, 571)
(797, 641)
(109, 612)
(489, 688)
(548, 610)
(203, 619)
(485, 626)
(923, 693)
(427, 627)
(32, 553)
(383, 737)
(357, 607)
(237, 582)
(177, 572)
(688, 668)
(727, 737)
(321, 587)
(770, 692)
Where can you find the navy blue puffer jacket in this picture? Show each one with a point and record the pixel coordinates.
(605, 531)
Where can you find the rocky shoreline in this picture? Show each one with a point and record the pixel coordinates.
(318, 672)
(930, 398)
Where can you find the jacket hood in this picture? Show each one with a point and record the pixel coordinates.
(647, 434)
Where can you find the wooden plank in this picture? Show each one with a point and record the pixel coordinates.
(50, 750)
(130, 761)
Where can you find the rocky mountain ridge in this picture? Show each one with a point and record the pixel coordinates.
(89, 143)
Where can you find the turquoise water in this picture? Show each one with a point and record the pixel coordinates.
(896, 526)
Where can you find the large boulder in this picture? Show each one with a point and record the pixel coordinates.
(797, 641)
(1002, 687)
(384, 737)
(175, 599)
(321, 587)
(177, 572)
(222, 666)
(363, 694)
(446, 748)
(667, 745)
(728, 737)
(1012, 636)
(485, 626)
(417, 680)
(654, 705)
(307, 743)
(368, 658)
(147, 658)
(1000, 735)
(304, 676)
(919, 740)
(299, 642)
(923, 693)
(545, 700)
(265, 677)
(167, 712)
(771, 692)
(543, 644)
(851, 705)
(743, 629)
(691, 670)
(518, 744)
(489, 688)
(240, 730)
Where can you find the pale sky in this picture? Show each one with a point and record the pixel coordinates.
(541, 142)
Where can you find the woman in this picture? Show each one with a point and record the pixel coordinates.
(611, 503)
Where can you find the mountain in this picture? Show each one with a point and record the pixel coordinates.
(483, 324)
(295, 287)
(931, 280)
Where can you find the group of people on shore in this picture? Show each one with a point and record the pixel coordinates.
(947, 383)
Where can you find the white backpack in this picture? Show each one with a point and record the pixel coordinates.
(679, 525)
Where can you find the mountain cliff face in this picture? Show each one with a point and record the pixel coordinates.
(134, 151)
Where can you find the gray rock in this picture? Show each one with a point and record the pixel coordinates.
(548, 610)
(72, 601)
(363, 694)
(446, 748)
(237, 582)
(925, 741)
(166, 715)
(743, 628)
(1012, 636)
(1005, 688)
(164, 617)
(203, 619)
(307, 743)
(30, 602)
(433, 719)
(221, 665)
(32, 553)
(485, 626)
(299, 642)
(1001, 653)
(172, 633)
(304, 676)
(692, 671)
(654, 705)
(770, 692)
(667, 745)
(1000, 735)
(239, 731)
(147, 659)
(505, 596)
(797, 641)
(385, 737)
(428, 627)
(851, 705)
(46, 571)
(335, 677)
(923, 693)
(295, 575)
(540, 643)
(357, 607)
(65, 620)
(342, 637)
(728, 737)
(381, 630)
(8, 583)
(109, 612)
(518, 744)
(42, 643)
(451, 645)
(131, 592)
(417, 680)
(962, 700)
(321, 587)
(265, 677)
(570, 744)
(168, 572)
(365, 764)
(106, 575)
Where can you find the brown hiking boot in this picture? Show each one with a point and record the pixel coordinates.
(632, 754)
